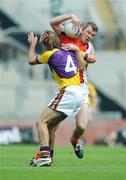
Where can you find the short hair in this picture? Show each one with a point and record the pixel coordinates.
(50, 40)
(90, 23)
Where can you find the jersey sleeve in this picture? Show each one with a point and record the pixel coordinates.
(44, 58)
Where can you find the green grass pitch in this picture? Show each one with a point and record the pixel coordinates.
(100, 163)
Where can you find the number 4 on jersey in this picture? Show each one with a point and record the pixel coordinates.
(70, 66)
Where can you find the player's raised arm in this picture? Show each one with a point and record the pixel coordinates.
(56, 22)
(32, 39)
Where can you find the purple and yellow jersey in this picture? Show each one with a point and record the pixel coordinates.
(64, 66)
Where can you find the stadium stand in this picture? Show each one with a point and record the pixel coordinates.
(21, 84)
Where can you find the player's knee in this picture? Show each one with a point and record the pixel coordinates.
(40, 123)
(82, 126)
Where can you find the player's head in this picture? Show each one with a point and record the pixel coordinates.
(88, 32)
(50, 40)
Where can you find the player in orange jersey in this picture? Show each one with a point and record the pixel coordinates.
(87, 33)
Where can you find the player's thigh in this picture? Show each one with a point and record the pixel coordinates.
(48, 115)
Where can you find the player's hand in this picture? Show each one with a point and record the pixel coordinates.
(69, 46)
(32, 39)
(76, 22)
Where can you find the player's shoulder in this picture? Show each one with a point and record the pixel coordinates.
(50, 52)
(44, 57)
(65, 39)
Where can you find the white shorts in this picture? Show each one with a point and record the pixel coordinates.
(85, 92)
(68, 101)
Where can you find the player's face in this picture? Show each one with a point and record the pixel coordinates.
(87, 35)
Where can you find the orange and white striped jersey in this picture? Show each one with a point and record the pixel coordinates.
(83, 47)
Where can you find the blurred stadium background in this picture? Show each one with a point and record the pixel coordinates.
(26, 90)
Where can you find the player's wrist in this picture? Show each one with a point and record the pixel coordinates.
(32, 46)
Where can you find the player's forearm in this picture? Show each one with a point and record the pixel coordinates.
(32, 55)
(81, 62)
(89, 58)
(84, 59)
(60, 19)
(56, 23)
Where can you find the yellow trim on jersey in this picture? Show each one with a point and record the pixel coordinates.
(62, 82)
(46, 55)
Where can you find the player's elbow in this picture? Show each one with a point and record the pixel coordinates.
(31, 61)
(52, 22)
(91, 59)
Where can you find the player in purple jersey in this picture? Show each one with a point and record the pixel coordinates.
(68, 101)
